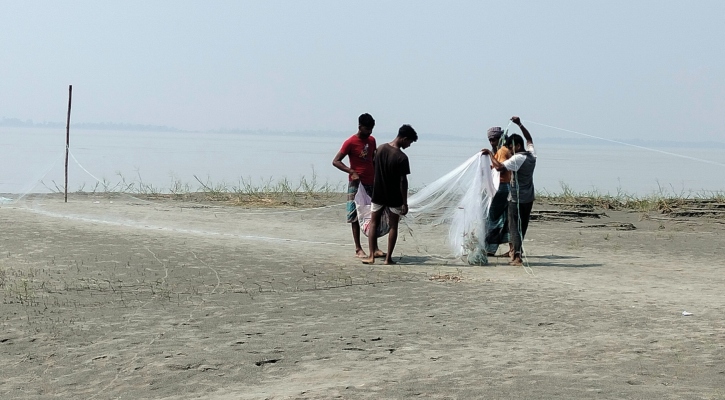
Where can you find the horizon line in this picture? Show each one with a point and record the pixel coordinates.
(123, 126)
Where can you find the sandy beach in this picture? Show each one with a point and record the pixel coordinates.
(118, 298)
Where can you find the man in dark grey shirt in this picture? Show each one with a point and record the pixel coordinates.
(390, 190)
(521, 197)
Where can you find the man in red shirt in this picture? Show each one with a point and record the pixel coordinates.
(360, 151)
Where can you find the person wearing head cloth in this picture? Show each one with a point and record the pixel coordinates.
(522, 195)
(497, 231)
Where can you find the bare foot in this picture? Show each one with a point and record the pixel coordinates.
(389, 261)
(379, 254)
(369, 260)
(517, 262)
(360, 253)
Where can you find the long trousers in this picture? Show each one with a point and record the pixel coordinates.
(518, 219)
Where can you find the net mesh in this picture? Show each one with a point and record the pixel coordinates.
(460, 198)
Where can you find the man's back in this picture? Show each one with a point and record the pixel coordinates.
(522, 188)
(391, 164)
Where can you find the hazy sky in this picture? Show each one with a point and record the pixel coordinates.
(616, 69)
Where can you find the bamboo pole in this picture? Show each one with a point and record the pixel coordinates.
(67, 140)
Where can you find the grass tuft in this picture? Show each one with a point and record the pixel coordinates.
(269, 192)
(663, 200)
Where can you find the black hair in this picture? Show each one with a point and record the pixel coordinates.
(366, 120)
(514, 140)
(406, 131)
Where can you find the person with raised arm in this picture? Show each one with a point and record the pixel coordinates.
(521, 197)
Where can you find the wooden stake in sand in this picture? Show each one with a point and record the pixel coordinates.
(67, 140)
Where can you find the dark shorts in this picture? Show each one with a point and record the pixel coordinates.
(352, 188)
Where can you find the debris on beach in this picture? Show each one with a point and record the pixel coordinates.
(620, 226)
(445, 278)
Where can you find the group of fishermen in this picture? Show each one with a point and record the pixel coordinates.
(382, 172)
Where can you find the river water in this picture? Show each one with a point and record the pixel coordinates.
(32, 160)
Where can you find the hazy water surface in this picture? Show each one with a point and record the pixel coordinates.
(32, 156)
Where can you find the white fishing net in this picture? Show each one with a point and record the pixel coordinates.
(460, 198)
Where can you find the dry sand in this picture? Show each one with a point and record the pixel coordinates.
(123, 299)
